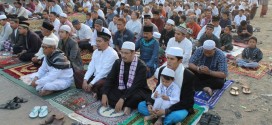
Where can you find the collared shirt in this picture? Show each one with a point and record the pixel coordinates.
(120, 38)
(57, 9)
(9, 9)
(215, 11)
(217, 62)
(21, 12)
(101, 64)
(94, 36)
(185, 45)
(85, 32)
(134, 26)
(238, 19)
(113, 27)
(216, 31)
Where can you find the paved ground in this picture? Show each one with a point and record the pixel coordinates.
(9, 90)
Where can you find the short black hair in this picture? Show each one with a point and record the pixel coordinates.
(179, 58)
(167, 77)
(229, 26)
(254, 38)
(243, 23)
(54, 13)
(183, 17)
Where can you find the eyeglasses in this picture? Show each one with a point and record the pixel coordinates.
(45, 47)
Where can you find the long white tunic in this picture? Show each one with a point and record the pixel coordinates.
(94, 36)
(101, 64)
(172, 91)
(40, 54)
(134, 26)
(186, 45)
(56, 25)
(50, 78)
(216, 32)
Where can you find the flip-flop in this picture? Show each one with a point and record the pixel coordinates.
(234, 91)
(205, 119)
(246, 89)
(43, 111)
(10, 105)
(19, 100)
(215, 120)
(35, 112)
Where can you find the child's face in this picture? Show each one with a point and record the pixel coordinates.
(166, 82)
(227, 30)
(225, 16)
(252, 43)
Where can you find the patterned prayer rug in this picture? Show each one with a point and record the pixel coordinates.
(8, 61)
(21, 70)
(106, 115)
(138, 119)
(74, 99)
(257, 74)
(202, 98)
(86, 57)
(80, 16)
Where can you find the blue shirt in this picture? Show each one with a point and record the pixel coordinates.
(224, 23)
(217, 62)
(120, 38)
(57, 9)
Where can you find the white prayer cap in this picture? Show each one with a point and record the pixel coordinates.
(3, 17)
(126, 5)
(175, 51)
(63, 15)
(65, 28)
(209, 45)
(128, 45)
(170, 21)
(49, 41)
(176, 10)
(168, 72)
(211, 2)
(156, 35)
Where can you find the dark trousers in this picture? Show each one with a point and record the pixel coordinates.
(26, 57)
(17, 49)
(203, 80)
(83, 45)
(132, 102)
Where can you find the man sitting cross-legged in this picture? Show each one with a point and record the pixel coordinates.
(55, 73)
(126, 83)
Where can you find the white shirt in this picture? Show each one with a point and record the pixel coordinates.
(40, 54)
(215, 11)
(101, 13)
(9, 9)
(159, 1)
(216, 32)
(56, 25)
(85, 32)
(134, 26)
(22, 12)
(185, 45)
(113, 27)
(101, 64)
(57, 9)
(5, 33)
(198, 12)
(38, 8)
(87, 5)
(238, 19)
(94, 36)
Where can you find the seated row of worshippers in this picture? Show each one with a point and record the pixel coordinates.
(116, 81)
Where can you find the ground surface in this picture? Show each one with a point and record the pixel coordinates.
(253, 109)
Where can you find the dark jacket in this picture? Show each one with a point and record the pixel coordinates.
(71, 50)
(165, 36)
(17, 41)
(32, 42)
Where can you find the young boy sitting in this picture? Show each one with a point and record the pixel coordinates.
(226, 39)
(250, 55)
(165, 95)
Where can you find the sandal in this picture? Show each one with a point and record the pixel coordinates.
(10, 105)
(43, 111)
(234, 91)
(246, 89)
(35, 112)
(215, 120)
(205, 119)
(52, 118)
(58, 122)
(19, 100)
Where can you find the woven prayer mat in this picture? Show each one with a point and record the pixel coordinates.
(106, 115)
(138, 119)
(235, 52)
(80, 16)
(202, 98)
(86, 57)
(21, 70)
(243, 45)
(257, 74)
(72, 100)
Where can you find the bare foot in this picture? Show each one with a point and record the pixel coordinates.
(159, 121)
(45, 92)
(208, 90)
(127, 110)
(95, 95)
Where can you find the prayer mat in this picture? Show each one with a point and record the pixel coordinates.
(106, 115)
(21, 70)
(254, 73)
(202, 98)
(74, 99)
(138, 119)
(240, 44)
(80, 16)
(9, 62)
(235, 52)
(86, 57)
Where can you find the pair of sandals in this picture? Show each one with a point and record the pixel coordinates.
(235, 90)
(41, 111)
(14, 103)
(55, 119)
(210, 119)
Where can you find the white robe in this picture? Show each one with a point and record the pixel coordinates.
(101, 64)
(172, 91)
(5, 33)
(52, 79)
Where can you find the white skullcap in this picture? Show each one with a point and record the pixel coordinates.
(128, 45)
(49, 41)
(209, 45)
(3, 17)
(168, 72)
(170, 21)
(63, 15)
(156, 35)
(65, 28)
(175, 51)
